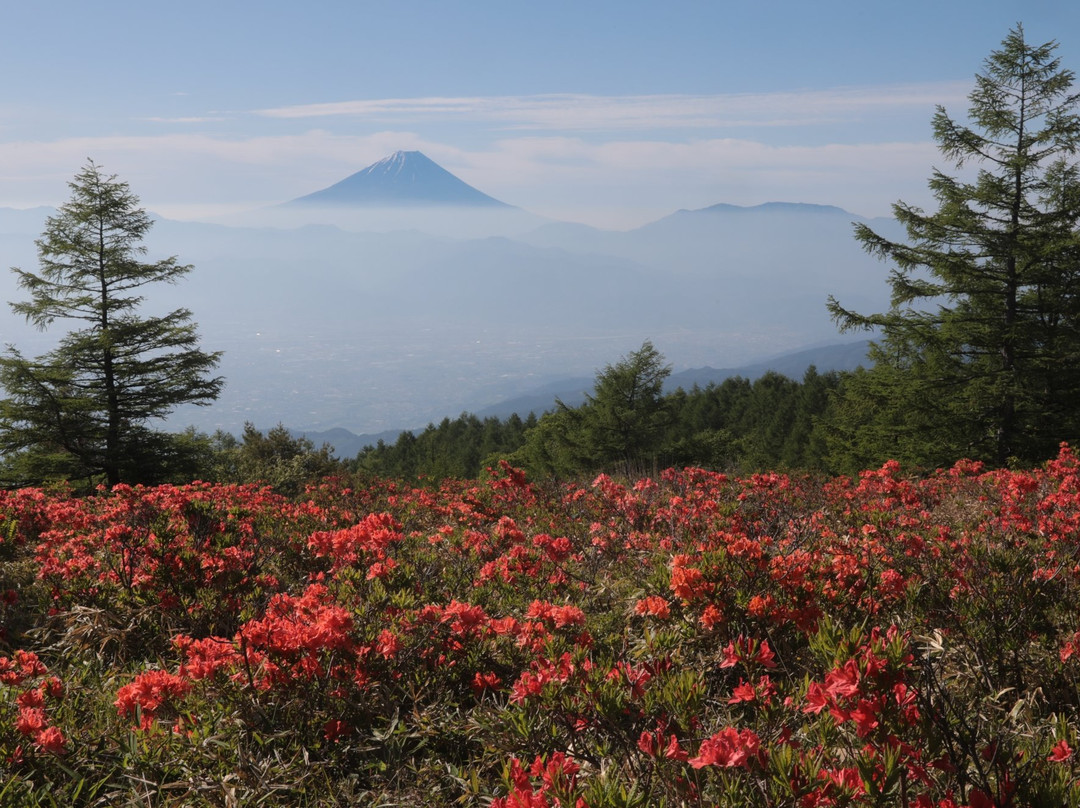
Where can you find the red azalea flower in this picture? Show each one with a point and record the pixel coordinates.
(1061, 752)
(843, 682)
(388, 645)
(51, 740)
(817, 698)
(485, 681)
(31, 698)
(743, 692)
(647, 743)
(711, 616)
(653, 605)
(674, 751)
(728, 748)
(31, 720)
(865, 718)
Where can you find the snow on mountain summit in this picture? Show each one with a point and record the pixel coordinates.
(405, 178)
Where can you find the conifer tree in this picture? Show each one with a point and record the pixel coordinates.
(84, 408)
(620, 427)
(979, 353)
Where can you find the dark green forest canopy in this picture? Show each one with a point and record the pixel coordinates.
(735, 424)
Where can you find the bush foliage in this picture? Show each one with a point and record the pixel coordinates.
(693, 639)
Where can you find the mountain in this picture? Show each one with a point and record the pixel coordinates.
(405, 192)
(758, 240)
(845, 356)
(770, 207)
(405, 178)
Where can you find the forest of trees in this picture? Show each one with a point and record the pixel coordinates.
(736, 425)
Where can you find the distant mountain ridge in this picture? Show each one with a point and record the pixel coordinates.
(772, 207)
(404, 179)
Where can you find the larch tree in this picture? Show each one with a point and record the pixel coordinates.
(84, 409)
(979, 354)
(620, 427)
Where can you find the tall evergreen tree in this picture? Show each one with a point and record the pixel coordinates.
(980, 350)
(621, 426)
(83, 409)
(626, 415)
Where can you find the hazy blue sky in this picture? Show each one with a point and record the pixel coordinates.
(610, 113)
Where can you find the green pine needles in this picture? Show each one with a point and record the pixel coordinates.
(979, 354)
(83, 409)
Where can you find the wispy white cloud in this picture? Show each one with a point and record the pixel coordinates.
(617, 182)
(192, 119)
(194, 167)
(570, 112)
(640, 179)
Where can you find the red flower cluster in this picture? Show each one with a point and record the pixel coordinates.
(729, 748)
(149, 693)
(22, 669)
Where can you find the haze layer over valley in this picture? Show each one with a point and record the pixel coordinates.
(402, 295)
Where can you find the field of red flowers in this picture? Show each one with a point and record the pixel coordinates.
(686, 641)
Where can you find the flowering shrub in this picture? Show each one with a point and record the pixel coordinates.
(690, 640)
